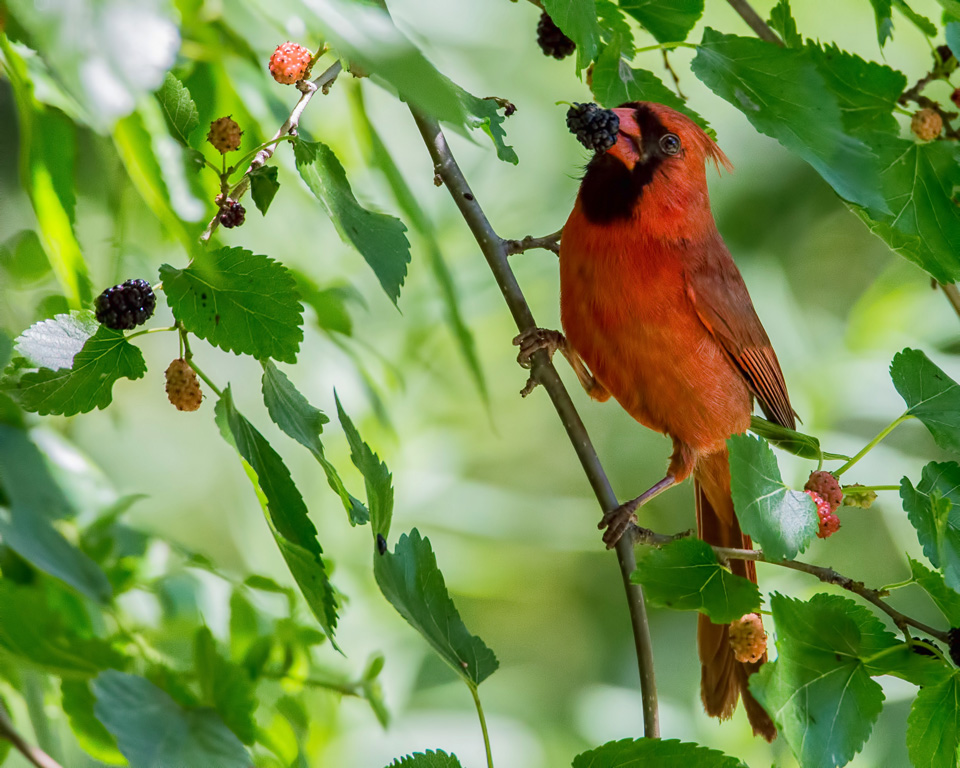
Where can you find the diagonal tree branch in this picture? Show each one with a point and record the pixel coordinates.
(34, 755)
(496, 250)
(755, 21)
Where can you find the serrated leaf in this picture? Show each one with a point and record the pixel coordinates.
(782, 521)
(819, 691)
(577, 19)
(663, 753)
(178, 108)
(78, 702)
(376, 476)
(484, 114)
(669, 21)
(298, 419)
(239, 301)
(225, 686)
(153, 730)
(54, 343)
(933, 583)
(379, 238)
(882, 9)
(615, 82)
(685, 575)
(86, 383)
(428, 759)
(933, 726)
(930, 395)
(614, 27)
(286, 513)
(933, 508)
(783, 95)
(410, 579)
(791, 441)
(782, 21)
(904, 662)
(264, 186)
(920, 21)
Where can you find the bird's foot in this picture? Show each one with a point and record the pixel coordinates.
(617, 521)
(532, 341)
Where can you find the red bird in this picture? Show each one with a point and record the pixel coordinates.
(653, 304)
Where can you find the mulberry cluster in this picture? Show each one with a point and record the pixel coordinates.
(290, 63)
(183, 389)
(551, 39)
(232, 214)
(125, 306)
(829, 522)
(596, 128)
(747, 638)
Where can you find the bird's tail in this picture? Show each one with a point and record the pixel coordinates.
(723, 679)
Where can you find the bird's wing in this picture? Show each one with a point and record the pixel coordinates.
(723, 305)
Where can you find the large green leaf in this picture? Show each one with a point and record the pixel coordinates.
(54, 343)
(298, 419)
(410, 579)
(578, 21)
(933, 508)
(933, 726)
(782, 521)
(819, 690)
(930, 395)
(783, 94)
(154, 731)
(669, 21)
(26, 479)
(286, 513)
(376, 476)
(239, 301)
(226, 687)
(686, 576)
(78, 704)
(379, 238)
(933, 583)
(662, 753)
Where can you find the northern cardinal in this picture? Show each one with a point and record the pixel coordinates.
(653, 304)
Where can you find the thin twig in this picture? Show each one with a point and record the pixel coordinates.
(755, 21)
(826, 575)
(547, 242)
(953, 295)
(669, 68)
(34, 755)
(289, 128)
(495, 251)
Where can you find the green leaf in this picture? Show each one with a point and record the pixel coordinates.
(379, 238)
(662, 753)
(669, 21)
(577, 19)
(685, 575)
(904, 662)
(484, 113)
(791, 441)
(614, 27)
(54, 343)
(952, 36)
(239, 301)
(819, 691)
(933, 583)
(376, 475)
(152, 730)
(930, 395)
(298, 419)
(920, 21)
(428, 759)
(286, 513)
(85, 383)
(933, 726)
(264, 186)
(329, 304)
(26, 480)
(933, 508)
(882, 9)
(225, 687)
(33, 629)
(615, 82)
(178, 108)
(410, 579)
(783, 522)
(782, 21)
(783, 95)
(78, 703)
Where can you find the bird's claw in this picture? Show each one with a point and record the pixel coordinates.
(533, 340)
(617, 522)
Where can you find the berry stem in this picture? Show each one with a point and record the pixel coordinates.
(666, 47)
(873, 443)
(483, 724)
(253, 152)
(856, 488)
(151, 330)
(206, 380)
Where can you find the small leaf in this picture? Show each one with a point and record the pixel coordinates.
(933, 583)
(920, 21)
(428, 759)
(379, 238)
(239, 301)
(668, 21)
(410, 579)
(485, 115)
(152, 729)
(933, 508)
(685, 575)
(225, 687)
(819, 690)
(782, 21)
(933, 726)
(178, 108)
(264, 186)
(662, 753)
(286, 513)
(791, 441)
(78, 702)
(882, 10)
(783, 522)
(298, 419)
(930, 395)
(577, 19)
(376, 476)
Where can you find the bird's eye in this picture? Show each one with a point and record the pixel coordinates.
(670, 143)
